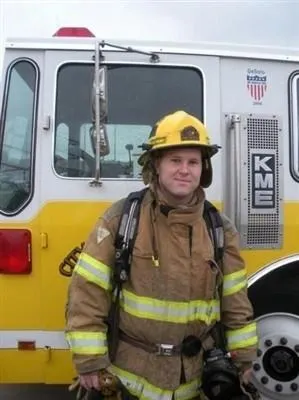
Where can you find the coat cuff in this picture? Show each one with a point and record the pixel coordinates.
(244, 356)
(85, 365)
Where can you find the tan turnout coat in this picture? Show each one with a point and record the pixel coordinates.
(185, 280)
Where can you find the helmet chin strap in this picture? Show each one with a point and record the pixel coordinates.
(206, 174)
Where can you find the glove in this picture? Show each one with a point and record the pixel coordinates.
(110, 384)
(111, 388)
(250, 391)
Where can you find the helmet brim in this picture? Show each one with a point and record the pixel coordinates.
(208, 151)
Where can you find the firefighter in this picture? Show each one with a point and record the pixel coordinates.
(172, 293)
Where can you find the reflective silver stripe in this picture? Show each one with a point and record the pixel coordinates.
(141, 388)
(150, 392)
(87, 342)
(234, 282)
(243, 337)
(188, 390)
(94, 271)
(169, 311)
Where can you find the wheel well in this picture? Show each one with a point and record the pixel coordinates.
(276, 291)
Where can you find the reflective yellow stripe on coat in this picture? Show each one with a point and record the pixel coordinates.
(170, 311)
(94, 271)
(243, 337)
(233, 283)
(87, 343)
(141, 388)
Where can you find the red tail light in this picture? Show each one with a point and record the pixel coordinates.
(73, 32)
(15, 251)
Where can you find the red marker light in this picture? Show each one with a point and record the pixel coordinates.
(73, 32)
(15, 251)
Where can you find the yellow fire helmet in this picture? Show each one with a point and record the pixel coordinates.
(181, 129)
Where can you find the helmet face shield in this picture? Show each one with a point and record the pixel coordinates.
(179, 130)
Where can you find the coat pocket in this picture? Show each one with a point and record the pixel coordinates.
(142, 273)
(208, 280)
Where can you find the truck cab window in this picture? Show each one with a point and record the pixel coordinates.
(137, 96)
(17, 136)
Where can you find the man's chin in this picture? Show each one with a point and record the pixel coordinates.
(179, 194)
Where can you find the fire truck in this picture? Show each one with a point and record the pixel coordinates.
(74, 110)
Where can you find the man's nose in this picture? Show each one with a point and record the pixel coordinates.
(184, 168)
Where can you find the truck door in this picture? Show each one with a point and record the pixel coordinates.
(139, 92)
(20, 269)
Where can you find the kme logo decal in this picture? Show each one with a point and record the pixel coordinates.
(256, 84)
(263, 179)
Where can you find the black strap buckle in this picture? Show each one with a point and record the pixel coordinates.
(190, 347)
(166, 350)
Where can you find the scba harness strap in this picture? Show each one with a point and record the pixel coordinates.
(126, 235)
(124, 243)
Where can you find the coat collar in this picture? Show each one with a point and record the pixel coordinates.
(187, 214)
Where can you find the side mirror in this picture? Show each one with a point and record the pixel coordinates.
(99, 95)
(129, 147)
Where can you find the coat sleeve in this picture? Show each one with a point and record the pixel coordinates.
(236, 310)
(89, 296)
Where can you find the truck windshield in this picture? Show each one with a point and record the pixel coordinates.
(137, 96)
(17, 136)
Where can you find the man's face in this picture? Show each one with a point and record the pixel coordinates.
(179, 172)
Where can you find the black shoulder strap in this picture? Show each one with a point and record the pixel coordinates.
(216, 230)
(124, 243)
(215, 226)
(126, 235)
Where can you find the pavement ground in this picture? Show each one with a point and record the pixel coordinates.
(35, 392)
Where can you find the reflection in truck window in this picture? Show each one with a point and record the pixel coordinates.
(137, 96)
(17, 136)
(294, 124)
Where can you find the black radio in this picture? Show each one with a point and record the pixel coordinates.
(221, 379)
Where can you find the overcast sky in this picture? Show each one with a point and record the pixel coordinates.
(255, 22)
